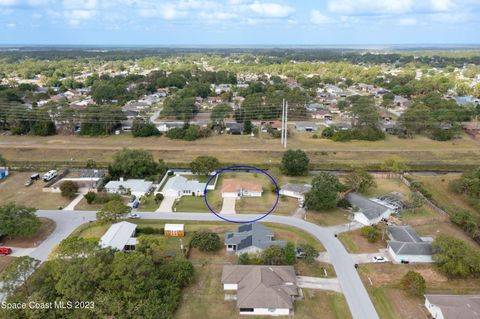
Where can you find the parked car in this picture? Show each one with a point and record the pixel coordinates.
(133, 216)
(403, 261)
(5, 251)
(299, 253)
(301, 204)
(29, 182)
(50, 175)
(379, 259)
(132, 198)
(35, 177)
(135, 204)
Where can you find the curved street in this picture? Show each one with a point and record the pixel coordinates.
(355, 293)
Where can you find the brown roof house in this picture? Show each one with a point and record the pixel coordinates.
(453, 306)
(261, 290)
(235, 188)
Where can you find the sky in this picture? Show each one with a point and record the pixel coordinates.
(239, 22)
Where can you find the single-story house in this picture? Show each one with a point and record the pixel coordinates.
(275, 125)
(137, 187)
(472, 128)
(405, 244)
(262, 290)
(120, 236)
(85, 184)
(306, 126)
(295, 190)
(453, 306)
(369, 211)
(3, 173)
(167, 126)
(179, 186)
(234, 128)
(174, 230)
(322, 115)
(250, 238)
(237, 188)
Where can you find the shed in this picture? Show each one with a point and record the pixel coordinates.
(174, 230)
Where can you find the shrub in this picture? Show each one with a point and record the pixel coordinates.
(150, 230)
(158, 198)
(370, 232)
(205, 241)
(344, 203)
(90, 197)
(310, 253)
(69, 189)
(413, 283)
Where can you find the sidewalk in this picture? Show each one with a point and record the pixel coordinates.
(74, 202)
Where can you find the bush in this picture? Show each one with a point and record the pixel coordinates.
(206, 241)
(150, 231)
(158, 198)
(413, 283)
(344, 203)
(370, 232)
(69, 189)
(310, 253)
(455, 258)
(90, 197)
(295, 163)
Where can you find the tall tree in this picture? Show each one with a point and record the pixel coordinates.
(295, 163)
(18, 220)
(204, 165)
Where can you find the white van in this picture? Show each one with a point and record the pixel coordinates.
(49, 175)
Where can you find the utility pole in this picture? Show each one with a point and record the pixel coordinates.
(283, 118)
(286, 123)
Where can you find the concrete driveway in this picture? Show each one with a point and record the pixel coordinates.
(319, 283)
(368, 258)
(228, 206)
(166, 204)
(299, 213)
(74, 202)
(20, 252)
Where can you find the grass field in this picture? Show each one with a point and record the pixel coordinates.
(13, 189)
(419, 152)
(297, 236)
(355, 243)
(443, 197)
(336, 216)
(5, 261)
(382, 283)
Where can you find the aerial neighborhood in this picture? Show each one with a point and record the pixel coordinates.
(227, 183)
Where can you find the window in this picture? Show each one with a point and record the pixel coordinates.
(246, 310)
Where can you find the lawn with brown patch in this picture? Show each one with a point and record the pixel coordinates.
(13, 189)
(5, 261)
(436, 229)
(244, 149)
(46, 228)
(355, 243)
(333, 217)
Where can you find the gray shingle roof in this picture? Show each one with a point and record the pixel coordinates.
(409, 248)
(252, 235)
(297, 188)
(457, 306)
(404, 234)
(368, 207)
(262, 286)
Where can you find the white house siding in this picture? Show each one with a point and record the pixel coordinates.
(230, 287)
(434, 311)
(362, 219)
(268, 312)
(410, 258)
(291, 194)
(249, 250)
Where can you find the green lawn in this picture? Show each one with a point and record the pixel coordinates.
(381, 303)
(333, 217)
(148, 204)
(191, 204)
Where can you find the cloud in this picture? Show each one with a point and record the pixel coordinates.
(316, 17)
(370, 6)
(271, 10)
(407, 21)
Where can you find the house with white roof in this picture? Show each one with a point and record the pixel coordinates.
(179, 186)
(295, 190)
(137, 187)
(120, 236)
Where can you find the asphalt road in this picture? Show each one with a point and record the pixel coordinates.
(355, 293)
